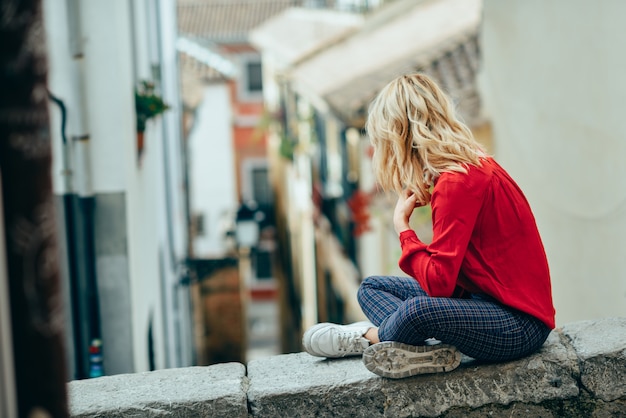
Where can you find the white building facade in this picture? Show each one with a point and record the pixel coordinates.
(135, 218)
(212, 171)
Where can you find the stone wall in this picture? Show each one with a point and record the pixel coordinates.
(580, 372)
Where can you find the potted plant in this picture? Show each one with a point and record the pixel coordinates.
(148, 105)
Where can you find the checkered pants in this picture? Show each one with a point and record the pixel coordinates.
(479, 327)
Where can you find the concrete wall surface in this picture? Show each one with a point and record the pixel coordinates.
(580, 372)
(554, 89)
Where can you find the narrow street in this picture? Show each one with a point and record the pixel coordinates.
(263, 329)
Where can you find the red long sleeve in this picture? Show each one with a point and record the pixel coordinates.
(485, 240)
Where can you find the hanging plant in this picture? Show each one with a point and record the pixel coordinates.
(148, 104)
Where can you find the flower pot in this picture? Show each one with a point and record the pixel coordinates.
(140, 135)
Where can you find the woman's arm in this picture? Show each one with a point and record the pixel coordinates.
(404, 209)
(456, 203)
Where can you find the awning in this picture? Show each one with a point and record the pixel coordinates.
(295, 34)
(407, 36)
(206, 56)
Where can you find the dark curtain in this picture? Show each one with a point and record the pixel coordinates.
(32, 256)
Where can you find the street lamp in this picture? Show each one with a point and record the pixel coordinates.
(247, 233)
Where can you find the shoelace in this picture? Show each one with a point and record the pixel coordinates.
(350, 342)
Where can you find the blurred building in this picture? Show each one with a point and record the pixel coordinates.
(225, 126)
(552, 82)
(334, 228)
(222, 92)
(122, 204)
(222, 88)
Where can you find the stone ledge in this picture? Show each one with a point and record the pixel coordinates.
(580, 371)
(216, 391)
(601, 349)
(302, 385)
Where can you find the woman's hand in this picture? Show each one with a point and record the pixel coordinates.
(404, 209)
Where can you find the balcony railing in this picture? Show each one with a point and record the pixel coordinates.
(355, 6)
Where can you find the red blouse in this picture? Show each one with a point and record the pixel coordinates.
(485, 240)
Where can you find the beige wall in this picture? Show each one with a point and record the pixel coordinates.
(555, 87)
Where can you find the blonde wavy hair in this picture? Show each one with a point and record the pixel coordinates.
(417, 136)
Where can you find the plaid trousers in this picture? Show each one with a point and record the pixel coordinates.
(479, 327)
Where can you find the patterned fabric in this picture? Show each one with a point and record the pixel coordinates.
(479, 326)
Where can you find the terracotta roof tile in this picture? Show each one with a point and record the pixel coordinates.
(226, 21)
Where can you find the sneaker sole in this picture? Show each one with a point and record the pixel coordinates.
(397, 360)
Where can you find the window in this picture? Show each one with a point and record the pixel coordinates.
(250, 81)
(263, 264)
(261, 186)
(198, 224)
(255, 77)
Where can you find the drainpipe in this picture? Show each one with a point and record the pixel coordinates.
(80, 205)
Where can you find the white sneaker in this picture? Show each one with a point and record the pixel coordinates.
(396, 360)
(333, 340)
